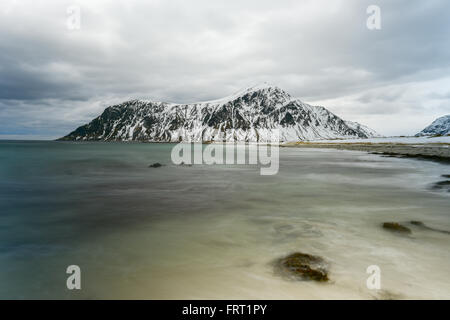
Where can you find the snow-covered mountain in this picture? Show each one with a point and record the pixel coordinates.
(249, 115)
(440, 126)
(370, 133)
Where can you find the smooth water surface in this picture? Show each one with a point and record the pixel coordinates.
(200, 232)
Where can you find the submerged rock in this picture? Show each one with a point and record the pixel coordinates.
(387, 295)
(418, 223)
(422, 225)
(182, 164)
(303, 266)
(397, 227)
(155, 165)
(442, 185)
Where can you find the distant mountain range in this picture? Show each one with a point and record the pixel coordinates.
(440, 126)
(250, 115)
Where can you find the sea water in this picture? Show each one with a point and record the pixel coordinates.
(214, 231)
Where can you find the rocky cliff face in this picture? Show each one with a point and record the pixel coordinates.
(249, 115)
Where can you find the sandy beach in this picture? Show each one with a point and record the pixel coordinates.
(437, 149)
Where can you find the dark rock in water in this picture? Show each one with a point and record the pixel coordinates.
(442, 185)
(418, 223)
(397, 227)
(155, 165)
(446, 176)
(303, 266)
(387, 295)
(185, 165)
(419, 156)
(425, 227)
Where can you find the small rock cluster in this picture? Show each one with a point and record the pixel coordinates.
(303, 266)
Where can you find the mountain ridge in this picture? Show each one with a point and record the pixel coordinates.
(249, 115)
(440, 126)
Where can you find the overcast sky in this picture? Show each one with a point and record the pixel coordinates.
(55, 77)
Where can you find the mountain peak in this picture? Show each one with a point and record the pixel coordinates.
(260, 86)
(440, 126)
(263, 87)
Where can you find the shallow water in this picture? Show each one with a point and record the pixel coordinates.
(203, 232)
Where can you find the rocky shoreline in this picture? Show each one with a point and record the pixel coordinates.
(435, 151)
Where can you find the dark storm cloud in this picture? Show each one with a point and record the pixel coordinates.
(53, 79)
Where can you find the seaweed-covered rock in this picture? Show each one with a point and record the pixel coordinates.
(303, 266)
(155, 165)
(396, 227)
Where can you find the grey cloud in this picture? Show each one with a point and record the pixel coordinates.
(52, 78)
(440, 96)
(381, 96)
